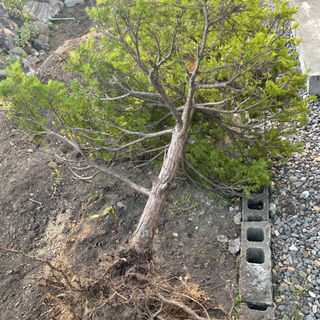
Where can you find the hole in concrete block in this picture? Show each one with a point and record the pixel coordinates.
(255, 234)
(255, 218)
(257, 306)
(255, 205)
(255, 255)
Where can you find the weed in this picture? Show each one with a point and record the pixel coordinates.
(93, 198)
(186, 203)
(298, 315)
(26, 33)
(238, 298)
(237, 310)
(182, 182)
(220, 200)
(57, 181)
(302, 292)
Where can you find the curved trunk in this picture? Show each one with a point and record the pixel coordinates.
(161, 187)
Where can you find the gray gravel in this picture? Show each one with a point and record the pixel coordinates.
(295, 210)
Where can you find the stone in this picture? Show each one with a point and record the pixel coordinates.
(237, 218)
(222, 238)
(42, 53)
(31, 72)
(43, 38)
(42, 28)
(19, 51)
(39, 45)
(272, 207)
(317, 263)
(8, 30)
(293, 179)
(72, 3)
(6, 40)
(121, 205)
(293, 248)
(234, 246)
(40, 10)
(34, 60)
(304, 195)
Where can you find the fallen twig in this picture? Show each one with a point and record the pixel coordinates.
(35, 201)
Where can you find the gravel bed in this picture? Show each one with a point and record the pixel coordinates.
(295, 210)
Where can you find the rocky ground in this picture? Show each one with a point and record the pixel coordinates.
(295, 208)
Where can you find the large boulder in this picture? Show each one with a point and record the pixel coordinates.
(6, 40)
(40, 10)
(8, 30)
(42, 28)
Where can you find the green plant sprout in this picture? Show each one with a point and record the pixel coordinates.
(105, 213)
(57, 181)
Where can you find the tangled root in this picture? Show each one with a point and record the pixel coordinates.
(122, 289)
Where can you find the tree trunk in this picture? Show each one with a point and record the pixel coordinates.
(161, 187)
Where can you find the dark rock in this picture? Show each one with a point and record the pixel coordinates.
(42, 28)
(39, 45)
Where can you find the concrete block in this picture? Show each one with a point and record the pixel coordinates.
(251, 314)
(256, 208)
(255, 283)
(256, 232)
(308, 30)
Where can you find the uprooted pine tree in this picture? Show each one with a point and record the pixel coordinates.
(203, 87)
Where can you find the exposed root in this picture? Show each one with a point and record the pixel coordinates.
(118, 286)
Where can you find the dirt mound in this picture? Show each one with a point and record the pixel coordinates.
(52, 67)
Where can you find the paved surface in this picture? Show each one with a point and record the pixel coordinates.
(309, 31)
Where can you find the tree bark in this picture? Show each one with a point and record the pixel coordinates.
(161, 187)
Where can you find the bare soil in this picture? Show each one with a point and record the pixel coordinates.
(46, 217)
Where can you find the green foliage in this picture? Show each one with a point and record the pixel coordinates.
(247, 86)
(16, 5)
(27, 32)
(212, 162)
